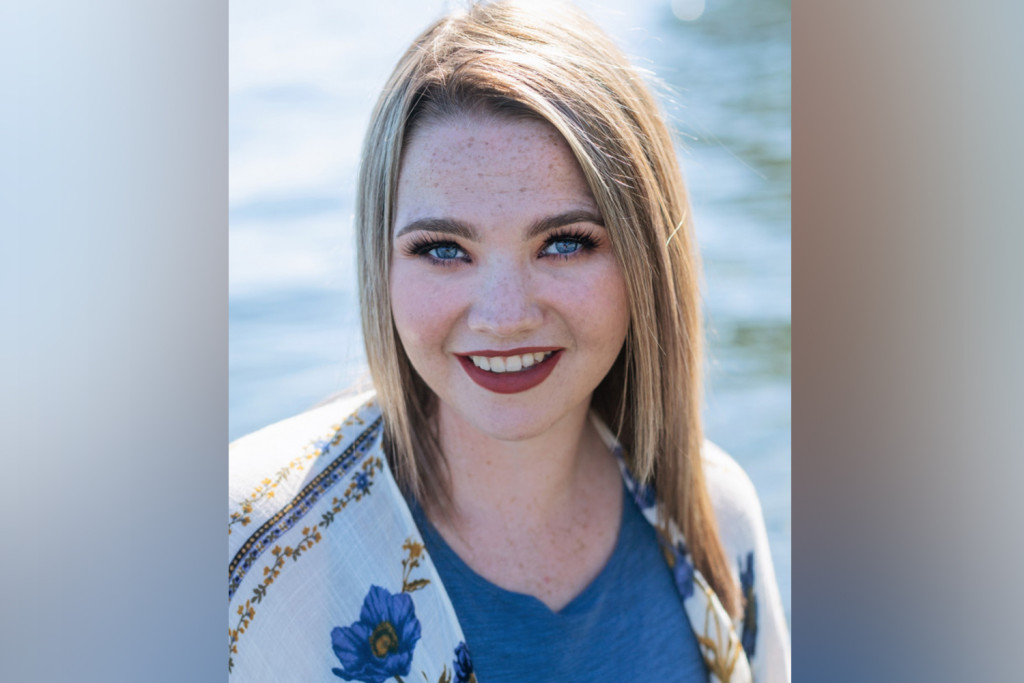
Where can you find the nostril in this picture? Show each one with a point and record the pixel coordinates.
(505, 306)
(504, 316)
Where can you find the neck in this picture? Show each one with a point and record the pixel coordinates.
(527, 482)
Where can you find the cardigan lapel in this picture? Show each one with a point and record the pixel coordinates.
(716, 634)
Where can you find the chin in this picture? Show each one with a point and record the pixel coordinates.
(513, 433)
(511, 424)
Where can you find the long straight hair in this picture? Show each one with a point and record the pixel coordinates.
(553, 64)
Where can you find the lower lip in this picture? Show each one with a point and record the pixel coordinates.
(511, 382)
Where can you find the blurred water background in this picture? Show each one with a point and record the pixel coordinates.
(304, 76)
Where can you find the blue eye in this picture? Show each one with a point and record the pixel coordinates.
(437, 252)
(563, 247)
(569, 244)
(445, 252)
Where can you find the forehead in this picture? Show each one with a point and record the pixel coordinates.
(477, 164)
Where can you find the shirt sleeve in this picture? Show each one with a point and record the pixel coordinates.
(762, 627)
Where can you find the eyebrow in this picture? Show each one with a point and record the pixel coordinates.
(567, 218)
(457, 228)
(445, 225)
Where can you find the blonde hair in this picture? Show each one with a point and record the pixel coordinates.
(553, 64)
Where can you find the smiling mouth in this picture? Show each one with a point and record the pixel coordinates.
(501, 364)
(503, 372)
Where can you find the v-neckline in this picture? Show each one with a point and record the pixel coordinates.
(467, 573)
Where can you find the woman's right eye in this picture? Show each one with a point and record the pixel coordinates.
(445, 252)
(441, 253)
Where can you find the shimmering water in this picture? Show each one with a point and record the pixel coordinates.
(304, 76)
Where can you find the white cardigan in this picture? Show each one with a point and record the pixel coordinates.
(329, 579)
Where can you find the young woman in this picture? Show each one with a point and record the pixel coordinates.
(528, 495)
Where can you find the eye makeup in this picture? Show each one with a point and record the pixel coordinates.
(442, 252)
(584, 240)
(564, 243)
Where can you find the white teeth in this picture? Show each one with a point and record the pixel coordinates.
(500, 364)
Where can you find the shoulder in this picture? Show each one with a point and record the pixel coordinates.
(741, 527)
(319, 537)
(733, 497)
(299, 428)
(268, 468)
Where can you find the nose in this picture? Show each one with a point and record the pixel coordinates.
(504, 303)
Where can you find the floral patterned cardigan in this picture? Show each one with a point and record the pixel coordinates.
(328, 577)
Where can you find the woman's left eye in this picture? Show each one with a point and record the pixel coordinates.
(563, 247)
(568, 244)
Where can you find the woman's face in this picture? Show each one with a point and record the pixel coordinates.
(505, 292)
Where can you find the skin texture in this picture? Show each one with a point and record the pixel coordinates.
(530, 478)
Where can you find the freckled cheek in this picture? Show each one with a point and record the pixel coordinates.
(596, 306)
(424, 314)
(608, 317)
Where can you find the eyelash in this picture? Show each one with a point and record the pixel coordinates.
(586, 240)
(423, 245)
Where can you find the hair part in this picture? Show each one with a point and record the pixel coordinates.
(553, 64)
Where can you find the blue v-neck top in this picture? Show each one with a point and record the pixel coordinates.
(628, 624)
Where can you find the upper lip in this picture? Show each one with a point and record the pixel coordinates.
(490, 353)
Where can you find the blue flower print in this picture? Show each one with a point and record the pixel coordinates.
(362, 480)
(682, 570)
(463, 665)
(378, 646)
(749, 637)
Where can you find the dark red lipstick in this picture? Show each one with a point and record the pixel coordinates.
(511, 382)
